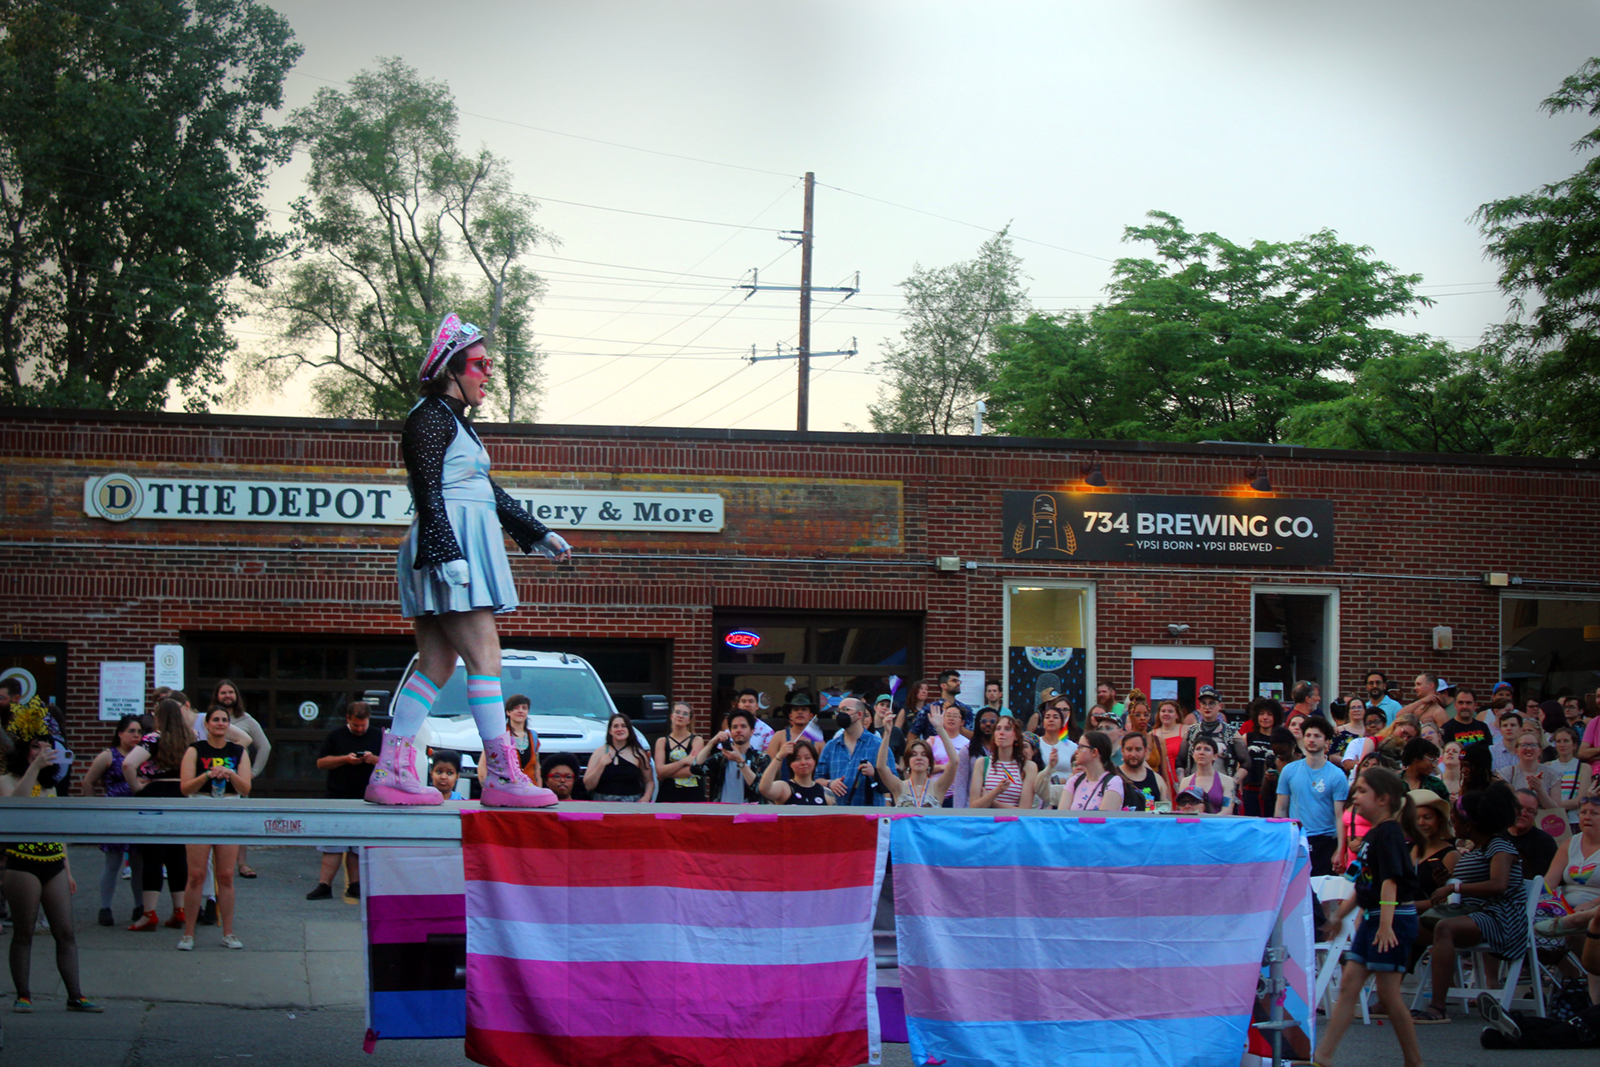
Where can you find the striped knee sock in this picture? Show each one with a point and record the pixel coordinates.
(488, 707)
(411, 706)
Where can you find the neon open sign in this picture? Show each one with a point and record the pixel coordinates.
(742, 639)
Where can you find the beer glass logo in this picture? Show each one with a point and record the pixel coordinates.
(1044, 530)
(116, 497)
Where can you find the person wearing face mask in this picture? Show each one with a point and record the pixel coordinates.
(454, 577)
(848, 764)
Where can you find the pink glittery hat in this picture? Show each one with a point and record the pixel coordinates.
(452, 336)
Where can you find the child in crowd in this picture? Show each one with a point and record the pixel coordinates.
(446, 775)
(1386, 891)
(1189, 802)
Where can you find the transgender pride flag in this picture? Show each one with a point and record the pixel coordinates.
(1054, 940)
(659, 939)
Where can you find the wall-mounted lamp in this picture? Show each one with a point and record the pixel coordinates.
(1094, 474)
(1258, 476)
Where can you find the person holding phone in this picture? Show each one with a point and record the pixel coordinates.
(733, 763)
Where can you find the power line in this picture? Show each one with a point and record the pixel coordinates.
(642, 375)
(962, 222)
(647, 214)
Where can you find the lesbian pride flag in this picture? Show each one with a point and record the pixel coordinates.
(1118, 941)
(658, 939)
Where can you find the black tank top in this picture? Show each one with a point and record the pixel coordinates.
(620, 779)
(809, 794)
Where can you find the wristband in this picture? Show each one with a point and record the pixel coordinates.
(1396, 903)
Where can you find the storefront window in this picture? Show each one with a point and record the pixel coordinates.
(757, 643)
(298, 692)
(1048, 642)
(1549, 646)
(830, 658)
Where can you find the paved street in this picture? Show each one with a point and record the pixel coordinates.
(294, 995)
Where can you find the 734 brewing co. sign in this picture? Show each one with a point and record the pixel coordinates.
(1167, 529)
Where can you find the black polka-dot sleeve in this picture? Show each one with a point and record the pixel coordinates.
(427, 436)
(515, 520)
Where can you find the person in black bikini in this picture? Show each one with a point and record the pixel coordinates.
(37, 876)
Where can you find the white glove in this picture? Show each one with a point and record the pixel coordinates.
(456, 572)
(553, 546)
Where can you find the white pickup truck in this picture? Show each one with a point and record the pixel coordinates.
(569, 707)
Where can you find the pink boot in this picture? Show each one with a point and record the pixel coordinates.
(504, 784)
(394, 780)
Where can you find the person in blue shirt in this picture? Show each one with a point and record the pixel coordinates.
(1312, 791)
(847, 764)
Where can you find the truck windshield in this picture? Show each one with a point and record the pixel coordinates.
(550, 690)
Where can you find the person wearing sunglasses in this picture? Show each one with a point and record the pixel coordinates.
(454, 575)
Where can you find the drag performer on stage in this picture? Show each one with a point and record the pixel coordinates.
(454, 575)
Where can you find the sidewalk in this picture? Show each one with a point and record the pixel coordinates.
(298, 954)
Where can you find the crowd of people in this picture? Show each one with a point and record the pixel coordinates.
(1430, 806)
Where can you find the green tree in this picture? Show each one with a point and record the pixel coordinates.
(1547, 243)
(1425, 397)
(1208, 339)
(134, 151)
(939, 368)
(399, 226)
(1055, 377)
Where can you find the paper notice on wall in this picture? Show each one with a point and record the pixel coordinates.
(169, 666)
(971, 688)
(121, 690)
(1163, 689)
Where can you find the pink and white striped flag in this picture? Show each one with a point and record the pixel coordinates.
(641, 941)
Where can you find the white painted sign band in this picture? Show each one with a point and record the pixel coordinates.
(120, 497)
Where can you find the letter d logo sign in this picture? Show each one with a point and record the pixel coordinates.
(116, 497)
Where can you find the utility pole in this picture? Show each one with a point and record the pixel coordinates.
(803, 415)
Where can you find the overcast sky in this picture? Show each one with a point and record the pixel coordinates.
(1387, 122)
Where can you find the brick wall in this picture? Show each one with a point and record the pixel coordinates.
(836, 522)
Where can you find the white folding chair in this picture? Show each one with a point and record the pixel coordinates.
(1481, 958)
(1330, 890)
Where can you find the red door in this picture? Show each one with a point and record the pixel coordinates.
(1176, 671)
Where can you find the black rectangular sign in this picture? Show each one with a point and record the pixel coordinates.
(1167, 529)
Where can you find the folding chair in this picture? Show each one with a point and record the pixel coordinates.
(1481, 956)
(1330, 890)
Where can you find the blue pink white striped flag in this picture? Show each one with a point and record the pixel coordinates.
(646, 940)
(1116, 942)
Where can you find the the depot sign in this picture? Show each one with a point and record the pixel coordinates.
(120, 497)
(1167, 529)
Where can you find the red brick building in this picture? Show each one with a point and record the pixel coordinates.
(265, 549)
